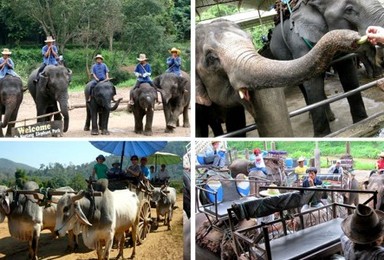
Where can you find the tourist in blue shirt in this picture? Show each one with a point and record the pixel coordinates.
(143, 73)
(144, 168)
(50, 55)
(174, 62)
(100, 72)
(6, 64)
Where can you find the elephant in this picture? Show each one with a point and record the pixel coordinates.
(309, 21)
(144, 99)
(99, 105)
(51, 88)
(175, 94)
(230, 73)
(11, 95)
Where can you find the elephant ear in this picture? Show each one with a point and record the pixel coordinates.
(156, 81)
(183, 85)
(308, 21)
(202, 96)
(43, 82)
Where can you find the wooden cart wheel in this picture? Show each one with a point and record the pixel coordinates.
(145, 221)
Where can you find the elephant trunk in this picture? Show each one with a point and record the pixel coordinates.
(114, 107)
(10, 107)
(63, 102)
(258, 72)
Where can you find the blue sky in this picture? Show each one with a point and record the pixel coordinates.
(35, 153)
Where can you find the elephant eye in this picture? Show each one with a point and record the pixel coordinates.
(212, 61)
(349, 9)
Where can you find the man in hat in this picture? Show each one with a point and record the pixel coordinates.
(350, 183)
(300, 169)
(380, 162)
(6, 64)
(174, 62)
(143, 73)
(100, 170)
(215, 155)
(134, 171)
(336, 168)
(100, 72)
(115, 171)
(363, 234)
(50, 55)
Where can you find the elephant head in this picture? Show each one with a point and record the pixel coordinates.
(230, 71)
(11, 96)
(313, 18)
(53, 84)
(103, 94)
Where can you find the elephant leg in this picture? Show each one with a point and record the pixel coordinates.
(348, 78)
(58, 115)
(272, 118)
(1, 127)
(235, 120)
(94, 115)
(186, 117)
(201, 120)
(138, 120)
(104, 122)
(149, 122)
(314, 89)
(168, 119)
(88, 118)
(11, 119)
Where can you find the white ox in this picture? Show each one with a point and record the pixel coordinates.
(165, 199)
(106, 216)
(25, 216)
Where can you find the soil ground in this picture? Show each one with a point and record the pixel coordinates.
(121, 123)
(160, 244)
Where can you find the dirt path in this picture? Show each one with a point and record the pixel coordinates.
(161, 244)
(121, 123)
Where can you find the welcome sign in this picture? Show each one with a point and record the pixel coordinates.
(41, 129)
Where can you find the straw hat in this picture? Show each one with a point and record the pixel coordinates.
(381, 154)
(49, 39)
(142, 57)
(99, 56)
(301, 159)
(175, 50)
(364, 226)
(213, 142)
(6, 52)
(270, 192)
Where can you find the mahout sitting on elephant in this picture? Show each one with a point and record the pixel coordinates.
(230, 73)
(52, 88)
(144, 99)
(175, 95)
(99, 106)
(11, 95)
(311, 20)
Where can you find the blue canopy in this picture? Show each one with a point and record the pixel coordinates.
(129, 148)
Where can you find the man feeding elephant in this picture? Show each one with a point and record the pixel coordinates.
(231, 76)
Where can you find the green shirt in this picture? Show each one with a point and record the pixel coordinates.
(101, 170)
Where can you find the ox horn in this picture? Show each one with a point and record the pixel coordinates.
(78, 196)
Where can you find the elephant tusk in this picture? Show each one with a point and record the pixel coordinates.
(241, 94)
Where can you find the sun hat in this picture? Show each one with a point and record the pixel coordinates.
(364, 226)
(6, 51)
(175, 50)
(116, 162)
(99, 56)
(142, 57)
(100, 157)
(381, 154)
(270, 192)
(213, 142)
(301, 159)
(338, 161)
(49, 39)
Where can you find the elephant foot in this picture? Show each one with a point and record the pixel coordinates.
(169, 130)
(94, 132)
(186, 125)
(139, 132)
(104, 132)
(148, 133)
(86, 128)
